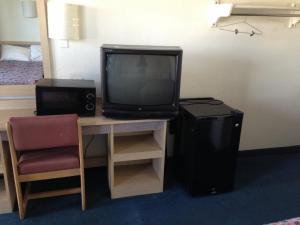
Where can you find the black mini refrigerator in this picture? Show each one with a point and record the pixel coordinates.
(207, 136)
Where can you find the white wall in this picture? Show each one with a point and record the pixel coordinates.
(13, 26)
(258, 75)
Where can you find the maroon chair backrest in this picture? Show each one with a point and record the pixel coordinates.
(42, 132)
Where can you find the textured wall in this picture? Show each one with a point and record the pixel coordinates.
(258, 75)
(13, 26)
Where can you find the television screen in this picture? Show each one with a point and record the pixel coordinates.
(140, 79)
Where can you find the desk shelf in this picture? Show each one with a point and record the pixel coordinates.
(136, 160)
(1, 169)
(7, 189)
(1, 164)
(136, 147)
(5, 205)
(2, 188)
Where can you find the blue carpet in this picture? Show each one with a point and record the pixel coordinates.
(267, 190)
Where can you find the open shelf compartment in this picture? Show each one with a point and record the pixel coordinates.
(1, 166)
(7, 187)
(136, 179)
(135, 147)
(4, 201)
(136, 158)
(1, 169)
(2, 189)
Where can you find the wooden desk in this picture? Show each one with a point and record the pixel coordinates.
(136, 154)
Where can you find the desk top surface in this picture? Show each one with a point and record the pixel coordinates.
(99, 119)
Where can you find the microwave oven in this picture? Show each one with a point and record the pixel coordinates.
(65, 96)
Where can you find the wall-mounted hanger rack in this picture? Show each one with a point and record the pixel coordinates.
(251, 31)
(229, 9)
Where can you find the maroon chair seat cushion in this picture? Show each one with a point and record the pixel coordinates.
(47, 160)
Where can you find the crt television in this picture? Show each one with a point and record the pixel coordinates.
(140, 81)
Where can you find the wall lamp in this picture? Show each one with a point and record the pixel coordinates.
(63, 21)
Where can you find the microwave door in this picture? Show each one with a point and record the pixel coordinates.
(60, 102)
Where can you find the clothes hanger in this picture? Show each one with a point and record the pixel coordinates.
(254, 30)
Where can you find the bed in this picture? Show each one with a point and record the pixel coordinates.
(19, 72)
(13, 72)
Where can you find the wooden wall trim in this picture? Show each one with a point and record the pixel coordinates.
(13, 91)
(42, 12)
(20, 43)
(17, 104)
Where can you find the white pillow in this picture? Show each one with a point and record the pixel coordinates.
(10, 52)
(36, 53)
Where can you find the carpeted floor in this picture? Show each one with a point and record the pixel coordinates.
(267, 190)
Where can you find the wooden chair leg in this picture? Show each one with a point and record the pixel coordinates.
(83, 199)
(26, 197)
(20, 200)
(82, 178)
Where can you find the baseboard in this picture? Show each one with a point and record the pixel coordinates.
(270, 151)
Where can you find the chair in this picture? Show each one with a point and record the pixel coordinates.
(43, 148)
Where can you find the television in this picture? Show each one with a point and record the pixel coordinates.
(140, 81)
